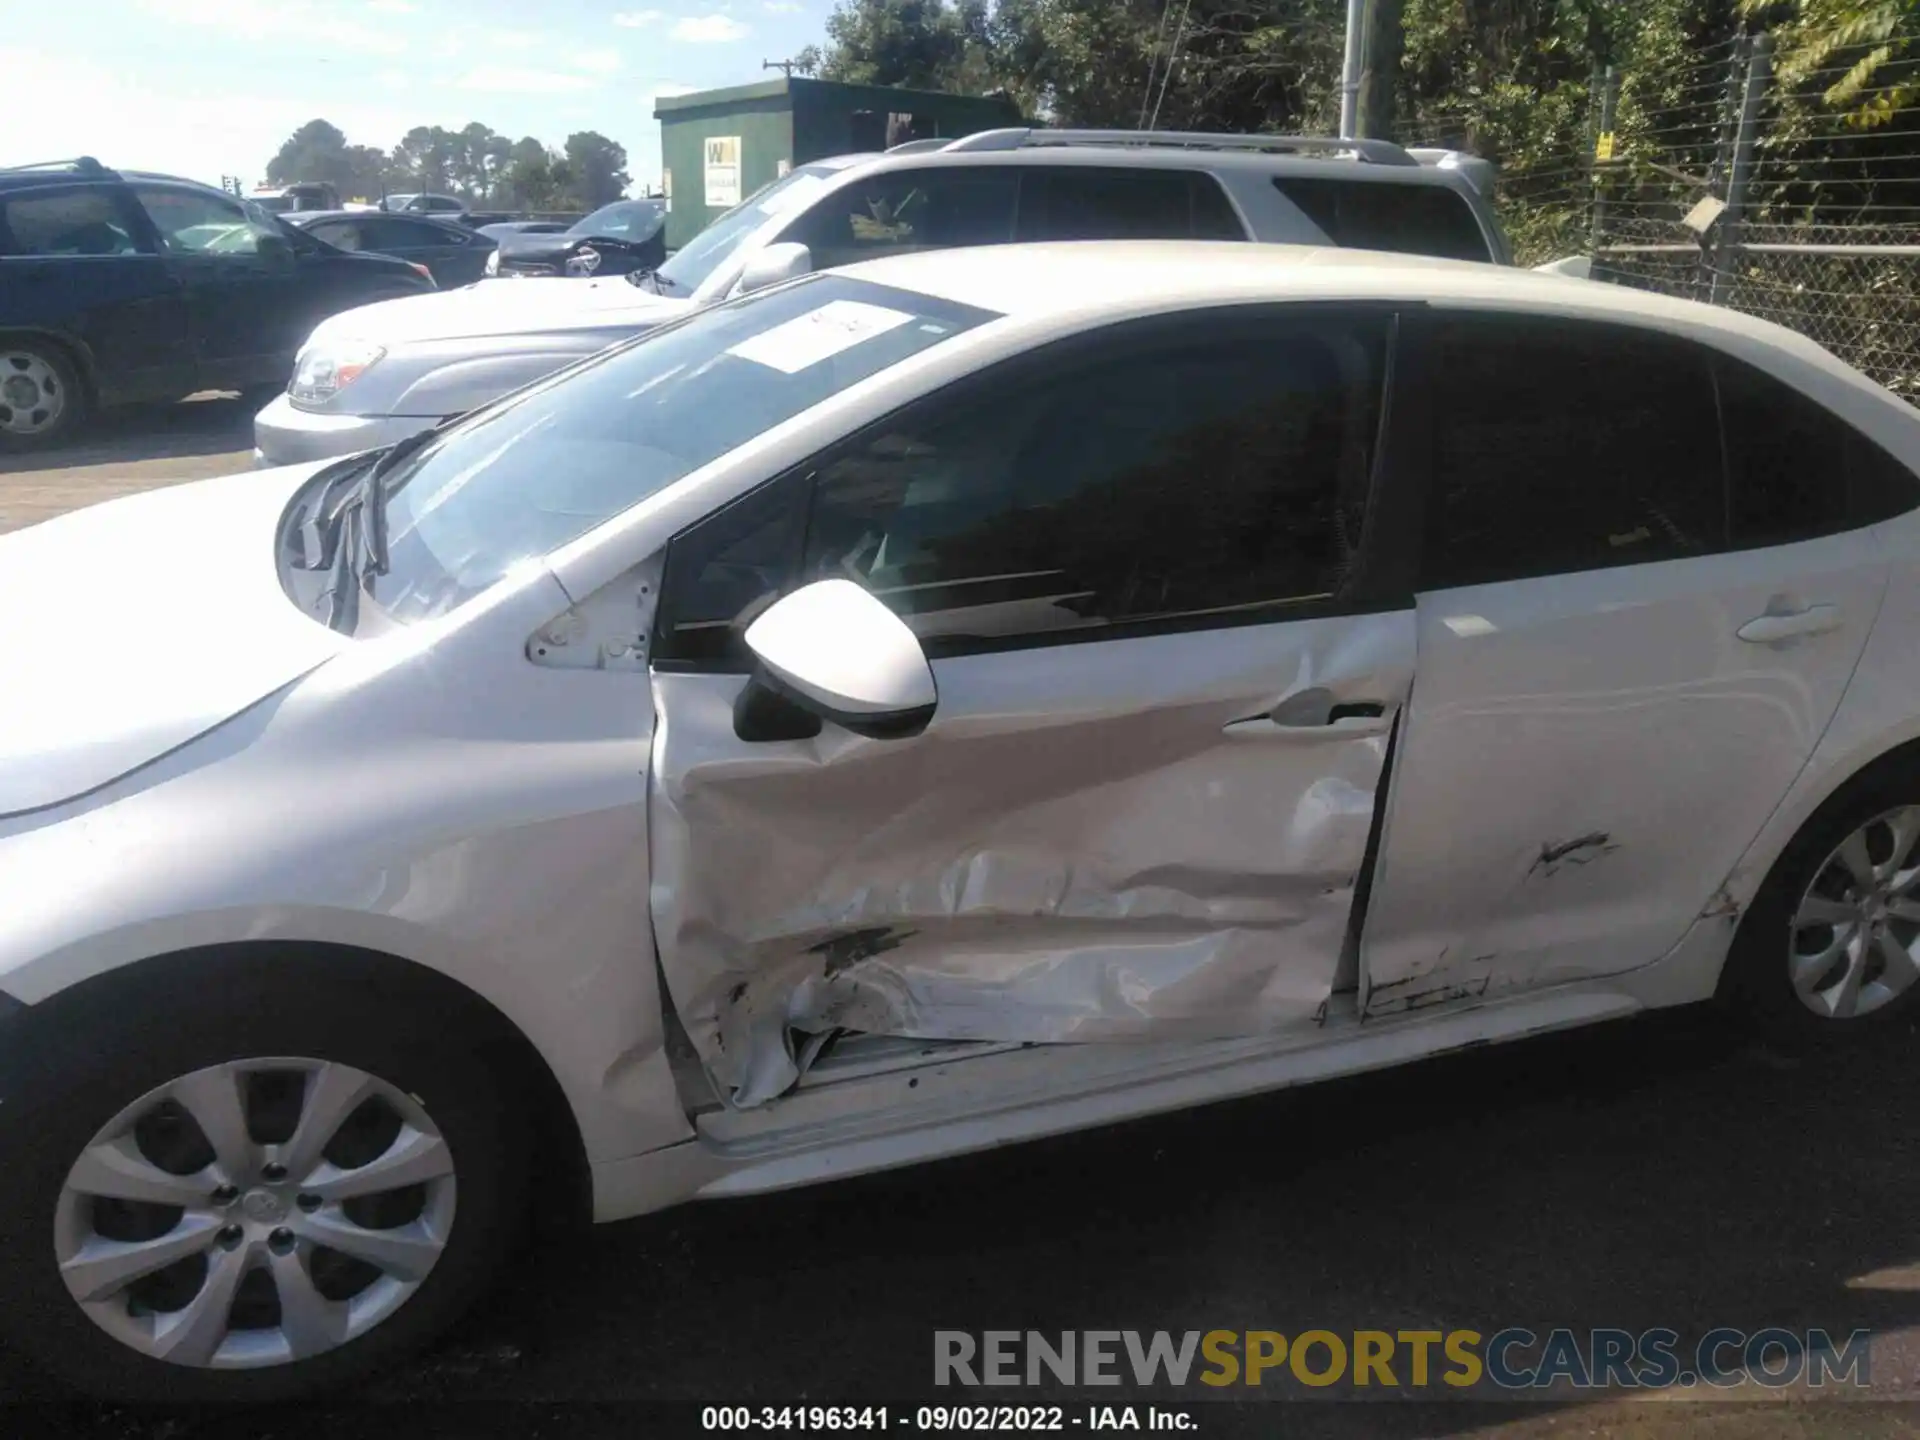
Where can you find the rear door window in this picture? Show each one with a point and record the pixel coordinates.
(1797, 471)
(1431, 220)
(1092, 203)
(85, 220)
(1561, 447)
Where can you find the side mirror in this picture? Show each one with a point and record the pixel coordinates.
(775, 264)
(274, 250)
(834, 652)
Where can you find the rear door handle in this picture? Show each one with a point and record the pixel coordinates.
(1814, 620)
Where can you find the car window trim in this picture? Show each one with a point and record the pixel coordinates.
(1379, 583)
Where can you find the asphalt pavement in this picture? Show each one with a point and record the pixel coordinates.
(1661, 1172)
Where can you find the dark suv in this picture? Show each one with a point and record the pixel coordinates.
(122, 286)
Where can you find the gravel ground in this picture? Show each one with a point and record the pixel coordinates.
(1653, 1173)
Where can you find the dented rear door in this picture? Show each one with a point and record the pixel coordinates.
(1168, 672)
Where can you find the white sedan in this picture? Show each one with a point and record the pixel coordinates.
(917, 707)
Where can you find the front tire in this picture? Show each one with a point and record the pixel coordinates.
(1829, 950)
(251, 1186)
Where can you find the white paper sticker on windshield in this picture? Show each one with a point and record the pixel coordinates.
(819, 335)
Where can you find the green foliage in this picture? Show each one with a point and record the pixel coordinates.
(1843, 48)
(474, 162)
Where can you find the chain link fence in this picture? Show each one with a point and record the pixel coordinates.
(1713, 179)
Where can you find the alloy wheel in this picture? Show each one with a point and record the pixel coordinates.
(1854, 933)
(32, 396)
(255, 1213)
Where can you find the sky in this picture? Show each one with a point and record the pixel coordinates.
(207, 88)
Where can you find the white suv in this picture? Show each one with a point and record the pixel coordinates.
(372, 376)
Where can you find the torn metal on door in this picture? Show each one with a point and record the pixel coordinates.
(1078, 849)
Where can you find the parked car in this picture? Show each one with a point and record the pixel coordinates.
(449, 353)
(453, 253)
(499, 229)
(935, 703)
(294, 199)
(447, 206)
(615, 239)
(123, 286)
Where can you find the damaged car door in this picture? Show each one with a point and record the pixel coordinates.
(1137, 564)
(1649, 571)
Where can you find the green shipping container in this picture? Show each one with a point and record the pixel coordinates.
(719, 146)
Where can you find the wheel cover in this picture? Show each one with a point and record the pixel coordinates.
(32, 399)
(255, 1213)
(1855, 931)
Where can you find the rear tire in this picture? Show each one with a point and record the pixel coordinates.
(1829, 950)
(43, 400)
(259, 1308)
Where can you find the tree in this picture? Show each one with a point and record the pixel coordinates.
(1846, 48)
(529, 177)
(316, 151)
(597, 169)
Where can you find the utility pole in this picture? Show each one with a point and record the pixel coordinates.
(1753, 94)
(1381, 37)
(1350, 69)
(1601, 152)
(785, 67)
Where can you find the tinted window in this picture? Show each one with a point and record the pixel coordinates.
(1562, 447)
(1413, 219)
(908, 210)
(65, 222)
(520, 479)
(1202, 481)
(406, 235)
(1076, 203)
(198, 224)
(344, 234)
(1795, 470)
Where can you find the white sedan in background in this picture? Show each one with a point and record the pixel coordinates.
(918, 707)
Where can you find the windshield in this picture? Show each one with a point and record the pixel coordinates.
(702, 255)
(520, 479)
(623, 217)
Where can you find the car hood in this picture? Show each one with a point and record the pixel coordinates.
(504, 307)
(130, 627)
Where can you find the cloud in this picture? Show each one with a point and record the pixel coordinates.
(521, 80)
(305, 22)
(639, 19)
(393, 7)
(709, 29)
(782, 7)
(601, 62)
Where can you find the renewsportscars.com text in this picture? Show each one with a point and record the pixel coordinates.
(1509, 1359)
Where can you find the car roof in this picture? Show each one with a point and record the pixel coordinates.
(304, 218)
(1180, 157)
(1115, 279)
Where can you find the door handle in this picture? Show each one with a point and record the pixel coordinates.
(1769, 629)
(1342, 722)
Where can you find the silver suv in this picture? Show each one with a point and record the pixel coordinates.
(373, 376)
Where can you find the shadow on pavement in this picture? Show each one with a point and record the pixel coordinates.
(209, 425)
(1656, 1172)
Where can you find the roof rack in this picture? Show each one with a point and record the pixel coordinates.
(1373, 152)
(80, 165)
(915, 147)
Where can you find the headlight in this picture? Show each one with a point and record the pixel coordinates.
(322, 371)
(493, 262)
